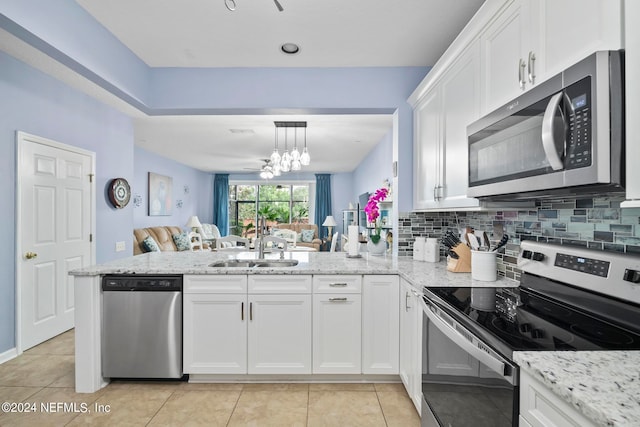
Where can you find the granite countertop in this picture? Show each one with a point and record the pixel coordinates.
(602, 385)
(418, 273)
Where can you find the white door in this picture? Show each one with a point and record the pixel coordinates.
(54, 234)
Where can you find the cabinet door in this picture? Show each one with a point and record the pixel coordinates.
(411, 343)
(279, 330)
(215, 334)
(570, 30)
(460, 107)
(426, 147)
(380, 324)
(505, 46)
(337, 333)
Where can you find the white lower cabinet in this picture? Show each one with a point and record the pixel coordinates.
(337, 324)
(411, 342)
(215, 324)
(540, 407)
(279, 338)
(380, 324)
(247, 332)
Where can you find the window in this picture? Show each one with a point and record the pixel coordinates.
(278, 203)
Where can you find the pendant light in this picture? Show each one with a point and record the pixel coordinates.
(295, 154)
(285, 161)
(275, 156)
(305, 158)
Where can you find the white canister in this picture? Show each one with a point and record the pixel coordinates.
(484, 266)
(431, 250)
(418, 249)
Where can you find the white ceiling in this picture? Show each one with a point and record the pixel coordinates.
(203, 33)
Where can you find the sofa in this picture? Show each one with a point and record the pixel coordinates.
(163, 235)
(316, 243)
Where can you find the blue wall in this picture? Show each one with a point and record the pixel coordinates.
(375, 168)
(198, 200)
(38, 104)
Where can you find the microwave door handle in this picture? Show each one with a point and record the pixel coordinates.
(548, 141)
(488, 360)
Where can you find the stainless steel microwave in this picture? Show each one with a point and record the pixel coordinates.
(564, 137)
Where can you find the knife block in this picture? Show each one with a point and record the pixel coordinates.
(463, 263)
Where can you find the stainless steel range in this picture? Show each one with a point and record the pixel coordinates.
(570, 298)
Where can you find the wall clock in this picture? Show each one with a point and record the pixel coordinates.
(119, 192)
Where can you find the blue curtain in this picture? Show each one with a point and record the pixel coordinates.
(323, 201)
(221, 202)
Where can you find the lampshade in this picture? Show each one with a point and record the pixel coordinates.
(193, 222)
(329, 222)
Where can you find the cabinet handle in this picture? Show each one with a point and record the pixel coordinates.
(242, 311)
(337, 285)
(530, 66)
(341, 299)
(251, 311)
(521, 67)
(435, 196)
(406, 301)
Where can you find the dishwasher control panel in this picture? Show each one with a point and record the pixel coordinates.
(138, 282)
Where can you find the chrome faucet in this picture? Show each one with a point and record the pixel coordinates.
(261, 229)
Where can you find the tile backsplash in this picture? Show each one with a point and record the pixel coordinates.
(597, 223)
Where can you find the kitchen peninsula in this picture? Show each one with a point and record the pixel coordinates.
(381, 288)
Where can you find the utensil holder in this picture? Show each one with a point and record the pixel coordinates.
(484, 266)
(463, 263)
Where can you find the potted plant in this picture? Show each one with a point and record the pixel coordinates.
(375, 246)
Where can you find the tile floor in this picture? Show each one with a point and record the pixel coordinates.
(45, 374)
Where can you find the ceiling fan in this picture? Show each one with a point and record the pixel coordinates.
(231, 5)
(266, 171)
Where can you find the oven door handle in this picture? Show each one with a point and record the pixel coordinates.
(487, 359)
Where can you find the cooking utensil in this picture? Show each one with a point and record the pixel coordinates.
(485, 240)
(473, 241)
(501, 243)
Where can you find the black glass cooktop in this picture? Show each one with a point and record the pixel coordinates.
(548, 316)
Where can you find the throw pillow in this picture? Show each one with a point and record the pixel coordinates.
(150, 245)
(182, 241)
(307, 235)
(298, 237)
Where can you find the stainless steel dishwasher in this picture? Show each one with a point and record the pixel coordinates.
(141, 326)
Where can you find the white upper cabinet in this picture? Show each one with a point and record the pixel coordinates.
(441, 117)
(529, 41)
(508, 55)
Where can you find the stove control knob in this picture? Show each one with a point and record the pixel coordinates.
(632, 276)
(537, 256)
(537, 333)
(526, 254)
(525, 327)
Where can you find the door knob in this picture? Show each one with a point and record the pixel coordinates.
(30, 255)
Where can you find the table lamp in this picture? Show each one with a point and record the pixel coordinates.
(329, 222)
(194, 224)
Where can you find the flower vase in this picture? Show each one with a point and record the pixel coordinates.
(377, 249)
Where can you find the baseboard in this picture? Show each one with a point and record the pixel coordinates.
(8, 355)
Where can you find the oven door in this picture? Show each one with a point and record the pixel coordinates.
(464, 382)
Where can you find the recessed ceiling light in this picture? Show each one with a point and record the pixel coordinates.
(290, 48)
(241, 131)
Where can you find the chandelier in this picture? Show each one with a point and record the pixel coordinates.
(289, 161)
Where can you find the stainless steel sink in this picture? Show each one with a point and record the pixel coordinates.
(234, 263)
(277, 263)
(241, 263)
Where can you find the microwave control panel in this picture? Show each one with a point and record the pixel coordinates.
(578, 154)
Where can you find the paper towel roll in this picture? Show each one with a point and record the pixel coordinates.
(353, 240)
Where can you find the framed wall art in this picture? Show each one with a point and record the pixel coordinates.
(160, 194)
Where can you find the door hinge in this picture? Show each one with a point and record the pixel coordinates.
(90, 237)
(90, 177)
